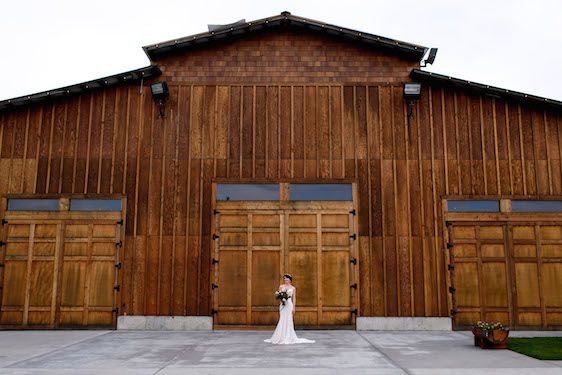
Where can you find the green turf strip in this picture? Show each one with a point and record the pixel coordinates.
(537, 347)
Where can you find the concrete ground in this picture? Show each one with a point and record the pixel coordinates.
(244, 352)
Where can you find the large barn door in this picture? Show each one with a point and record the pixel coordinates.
(255, 247)
(506, 271)
(60, 273)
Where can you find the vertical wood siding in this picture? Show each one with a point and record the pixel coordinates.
(111, 142)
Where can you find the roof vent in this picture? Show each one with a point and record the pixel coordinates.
(227, 26)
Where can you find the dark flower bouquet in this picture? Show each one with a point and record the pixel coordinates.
(282, 295)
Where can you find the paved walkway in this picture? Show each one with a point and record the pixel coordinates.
(243, 352)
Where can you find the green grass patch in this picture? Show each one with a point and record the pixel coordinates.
(537, 347)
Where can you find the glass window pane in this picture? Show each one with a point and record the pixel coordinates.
(33, 204)
(248, 192)
(320, 192)
(473, 206)
(536, 206)
(95, 205)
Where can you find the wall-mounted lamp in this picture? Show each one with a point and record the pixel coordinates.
(160, 93)
(412, 92)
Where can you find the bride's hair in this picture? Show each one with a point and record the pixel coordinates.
(288, 276)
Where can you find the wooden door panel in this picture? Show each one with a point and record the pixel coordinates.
(232, 278)
(19, 244)
(20, 231)
(46, 231)
(14, 249)
(335, 221)
(527, 285)
(467, 285)
(551, 232)
(103, 249)
(552, 284)
(14, 284)
(76, 231)
(265, 277)
(72, 285)
(335, 279)
(298, 240)
(494, 278)
(303, 267)
(101, 277)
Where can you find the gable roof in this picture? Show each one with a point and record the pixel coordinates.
(496, 92)
(116, 79)
(285, 21)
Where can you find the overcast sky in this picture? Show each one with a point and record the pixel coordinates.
(48, 44)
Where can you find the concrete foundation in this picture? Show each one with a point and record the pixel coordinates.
(403, 324)
(165, 323)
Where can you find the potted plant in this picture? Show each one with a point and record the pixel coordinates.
(490, 335)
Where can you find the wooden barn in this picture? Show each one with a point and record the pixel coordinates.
(176, 195)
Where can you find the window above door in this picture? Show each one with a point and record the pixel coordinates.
(284, 192)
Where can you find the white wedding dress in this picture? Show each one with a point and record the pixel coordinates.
(285, 330)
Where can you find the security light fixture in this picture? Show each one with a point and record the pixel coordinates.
(430, 57)
(412, 92)
(160, 94)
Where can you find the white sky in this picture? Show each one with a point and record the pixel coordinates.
(507, 43)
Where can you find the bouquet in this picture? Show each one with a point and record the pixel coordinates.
(282, 295)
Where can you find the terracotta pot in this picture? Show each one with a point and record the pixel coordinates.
(496, 339)
(498, 336)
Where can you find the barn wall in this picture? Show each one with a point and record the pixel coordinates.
(111, 142)
(288, 57)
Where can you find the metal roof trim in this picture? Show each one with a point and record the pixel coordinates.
(287, 19)
(129, 76)
(420, 75)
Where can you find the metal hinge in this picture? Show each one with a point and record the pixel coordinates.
(354, 311)
(117, 287)
(119, 243)
(215, 236)
(353, 236)
(353, 261)
(4, 221)
(448, 224)
(215, 212)
(450, 267)
(213, 311)
(214, 286)
(453, 311)
(450, 245)
(2, 243)
(215, 261)
(115, 310)
(452, 290)
(120, 221)
(1, 265)
(353, 212)
(354, 285)
(118, 265)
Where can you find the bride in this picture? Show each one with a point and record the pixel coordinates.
(285, 330)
